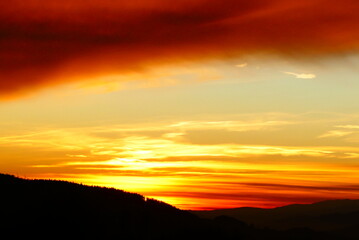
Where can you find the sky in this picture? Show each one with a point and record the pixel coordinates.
(202, 104)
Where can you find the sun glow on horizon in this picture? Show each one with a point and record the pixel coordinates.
(163, 161)
(201, 104)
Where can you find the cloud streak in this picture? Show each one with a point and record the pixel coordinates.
(156, 160)
(302, 75)
(44, 43)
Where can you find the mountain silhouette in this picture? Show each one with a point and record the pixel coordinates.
(58, 208)
(332, 216)
(52, 209)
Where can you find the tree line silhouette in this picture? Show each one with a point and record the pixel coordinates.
(52, 209)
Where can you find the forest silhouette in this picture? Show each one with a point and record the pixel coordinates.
(52, 209)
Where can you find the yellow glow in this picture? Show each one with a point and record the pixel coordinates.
(159, 161)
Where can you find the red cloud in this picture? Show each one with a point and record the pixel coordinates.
(49, 42)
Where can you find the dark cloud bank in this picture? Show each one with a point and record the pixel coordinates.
(43, 43)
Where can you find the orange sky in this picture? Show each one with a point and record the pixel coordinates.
(202, 104)
(50, 42)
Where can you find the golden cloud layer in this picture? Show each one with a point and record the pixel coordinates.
(158, 160)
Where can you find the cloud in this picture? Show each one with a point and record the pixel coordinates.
(81, 143)
(348, 126)
(242, 65)
(162, 163)
(44, 43)
(230, 125)
(348, 130)
(352, 155)
(302, 75)
(335, 133)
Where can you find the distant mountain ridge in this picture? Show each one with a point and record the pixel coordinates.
(51, 209)
(330, 215)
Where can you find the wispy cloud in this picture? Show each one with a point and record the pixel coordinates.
(344, 130)
(161, 76)
(242, 65)
(230, 125)
(335, 133)
(348, 126)
(156, 164)
(82, 143)
(302, 75)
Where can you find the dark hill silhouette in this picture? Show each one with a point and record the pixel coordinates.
(50, 209)
(59, 208)
(332, 216)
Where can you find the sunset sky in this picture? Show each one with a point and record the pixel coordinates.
(203, 104)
